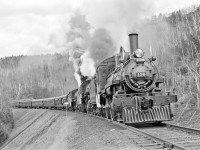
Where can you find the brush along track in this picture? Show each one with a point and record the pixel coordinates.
(167, 136)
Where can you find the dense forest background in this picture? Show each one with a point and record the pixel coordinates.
(38, 76)
(174, 40)
(178, 53)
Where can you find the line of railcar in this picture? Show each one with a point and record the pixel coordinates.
(126, 87)
(48, 103)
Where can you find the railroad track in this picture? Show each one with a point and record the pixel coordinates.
(165, 136)
(187, 138)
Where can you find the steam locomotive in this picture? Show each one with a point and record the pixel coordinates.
(126, 88)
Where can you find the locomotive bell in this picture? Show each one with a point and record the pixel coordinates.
(133, 39)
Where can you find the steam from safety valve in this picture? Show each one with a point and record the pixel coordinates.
(78, 78)
(87, 67)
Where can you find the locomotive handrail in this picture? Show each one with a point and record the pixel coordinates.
(44, 99)
(131, 95)
(100, 65)
(168, 93)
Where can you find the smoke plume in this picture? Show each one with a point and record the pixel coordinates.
(86, 48)
(101, 47)
(77, 39)
(119, 17)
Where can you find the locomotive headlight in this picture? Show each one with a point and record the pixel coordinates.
(139, 53)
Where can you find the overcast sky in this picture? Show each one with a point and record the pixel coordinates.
(39, 26)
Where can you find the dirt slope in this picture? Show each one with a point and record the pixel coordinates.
(52, 130)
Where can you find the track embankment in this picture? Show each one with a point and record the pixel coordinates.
(39, 129)
(52, 129)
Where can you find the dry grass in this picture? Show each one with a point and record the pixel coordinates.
(6, 118)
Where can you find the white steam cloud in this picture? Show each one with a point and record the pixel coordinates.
(119, 17)
(100, 47)
(87, 49)
(77, 42)
(87, 67)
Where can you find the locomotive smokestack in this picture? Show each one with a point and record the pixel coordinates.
(133, 38)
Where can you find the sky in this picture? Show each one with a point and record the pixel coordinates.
(32, 27)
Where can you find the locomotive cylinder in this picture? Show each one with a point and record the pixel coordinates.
(133, 39)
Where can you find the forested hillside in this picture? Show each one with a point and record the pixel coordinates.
(175, 41)
(32, 77)
(178, 51)
(38, 76)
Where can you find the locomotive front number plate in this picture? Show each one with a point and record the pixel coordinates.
(141, 74)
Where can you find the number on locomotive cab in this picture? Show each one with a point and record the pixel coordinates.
(140, 74)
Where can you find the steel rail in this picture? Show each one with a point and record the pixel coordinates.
(186, 129)
(164, 143)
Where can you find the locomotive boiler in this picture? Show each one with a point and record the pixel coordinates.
(128, 87)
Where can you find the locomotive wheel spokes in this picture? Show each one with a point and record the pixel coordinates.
(101, 112)
(106, 110)
(93, 112)
(111, 114)
(123, 116)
